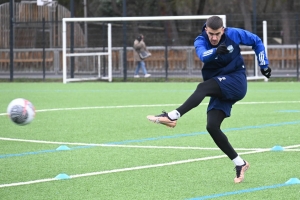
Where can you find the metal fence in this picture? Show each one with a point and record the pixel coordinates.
(182, 62)
(38, 32)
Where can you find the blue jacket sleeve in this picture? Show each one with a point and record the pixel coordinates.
(247, 38)
(202, 50)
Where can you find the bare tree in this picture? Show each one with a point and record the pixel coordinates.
(198, 8)
(287, 22)
(115, 8)
(244, 6)
(168, 8)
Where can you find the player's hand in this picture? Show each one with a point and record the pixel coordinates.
(222, 49)
(266, 72)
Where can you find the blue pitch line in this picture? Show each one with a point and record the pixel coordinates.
(289, 111)
(158, 138)
(152, 139)
(200, 133)
(27, 153)
(241, 191)
(43, 151)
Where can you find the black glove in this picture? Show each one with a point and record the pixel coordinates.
(266, 72)
(222, 49)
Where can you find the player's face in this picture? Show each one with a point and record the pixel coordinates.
(214, 36)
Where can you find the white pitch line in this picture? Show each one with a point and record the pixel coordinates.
(268, 102)
(123, 169)
(143, 106)
(162, 164)
(151, 166)
(101, 107)
(107, 107)
(136, 168)
(126, 146)
(27, 182)
(291, 150)
(128, 169)
(288, 148)
(50, 142)
(292, 146)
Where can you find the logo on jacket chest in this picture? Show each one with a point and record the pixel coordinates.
(230, 48)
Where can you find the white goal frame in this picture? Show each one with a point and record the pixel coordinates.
(109, 52)
(65, 54)
(256, 66)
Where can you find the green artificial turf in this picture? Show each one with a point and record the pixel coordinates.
(115, 153)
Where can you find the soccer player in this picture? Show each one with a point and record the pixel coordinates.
(225, 82)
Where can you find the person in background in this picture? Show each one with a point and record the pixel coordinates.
(225, 82)
(139, 46)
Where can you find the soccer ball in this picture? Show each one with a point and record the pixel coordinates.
(21, 111)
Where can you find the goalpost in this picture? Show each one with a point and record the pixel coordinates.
(108, 53)
(98, 54)
(256, 66)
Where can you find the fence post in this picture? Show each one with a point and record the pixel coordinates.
(190, 61)
(56, 62)
(11, 39)
(297, 42)
(44, 67)
(166, 51)
(104, 33)
(124, 41)
(72, 39)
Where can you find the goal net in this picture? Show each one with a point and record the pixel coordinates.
(101, 47)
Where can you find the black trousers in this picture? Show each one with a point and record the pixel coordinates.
(214, 117)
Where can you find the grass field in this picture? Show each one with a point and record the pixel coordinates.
(115, 153)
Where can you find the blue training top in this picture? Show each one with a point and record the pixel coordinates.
(222, 64)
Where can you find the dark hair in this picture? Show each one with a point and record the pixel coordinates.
(214, 22)
(140, 37)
